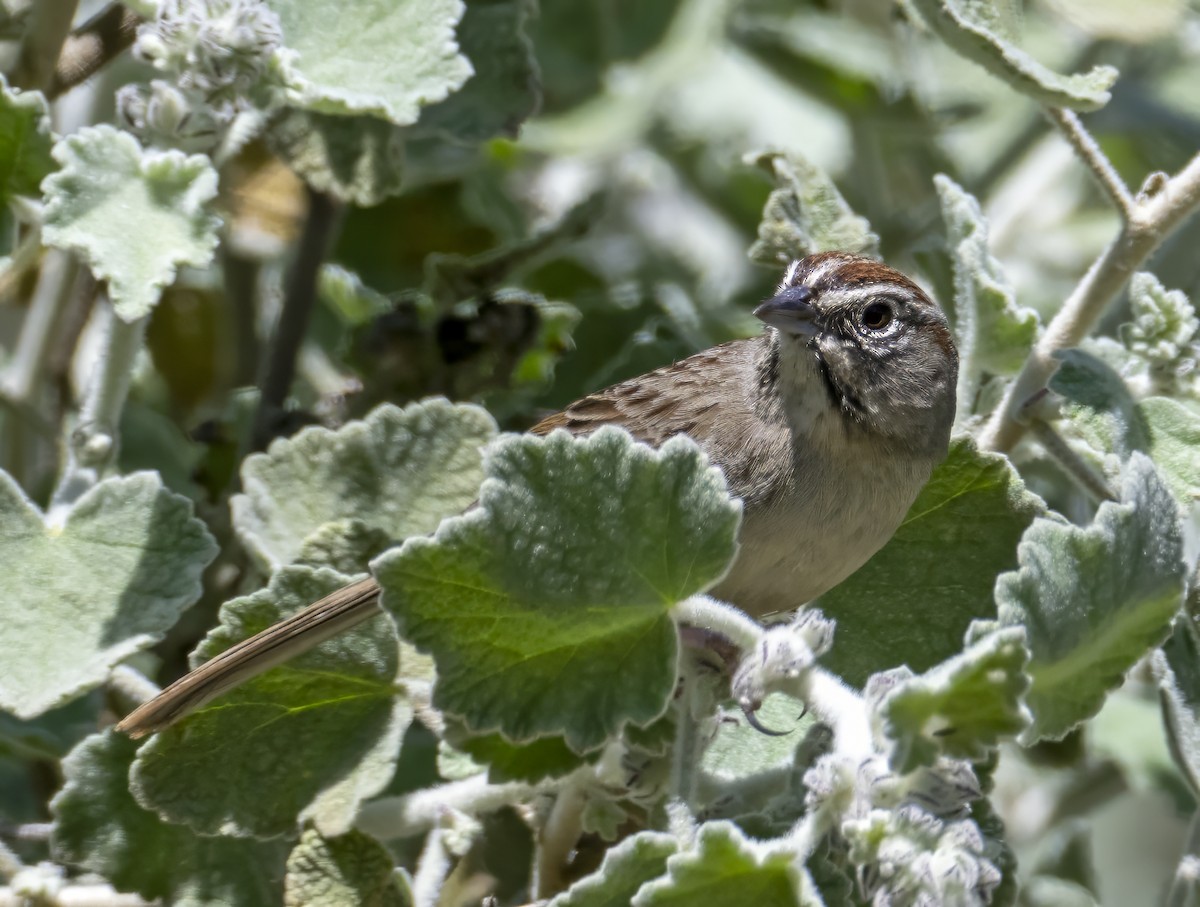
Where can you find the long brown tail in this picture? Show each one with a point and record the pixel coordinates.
(321, 620)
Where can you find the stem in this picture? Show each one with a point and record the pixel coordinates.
(298, 303)
(92, 46)
(557, 838)
(685, 756)
(241, 290)
(1089, 151)
(93, 443)
(716, 616)
(1152, 218)
(1185, 887)
(49, 25)
(410, 814)
(1072, 464)
(50, 298)
(432, 868)
(132, 685)
(833, 703)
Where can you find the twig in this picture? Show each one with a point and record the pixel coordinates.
(432, 868)
(1156, 212)
(1185, 887)
(241, 290)
(49, 25)
(1086, 147)
(89, 48)
(132, 684)
(557, 838)
(93, 443)
(298, 303)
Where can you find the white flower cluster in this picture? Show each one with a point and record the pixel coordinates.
(221, 59)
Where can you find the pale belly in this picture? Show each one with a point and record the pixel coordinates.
(804, 544)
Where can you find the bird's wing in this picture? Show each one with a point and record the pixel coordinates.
(677, 399)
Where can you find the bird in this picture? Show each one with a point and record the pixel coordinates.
(827, 425)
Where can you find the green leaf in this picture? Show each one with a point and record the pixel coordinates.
(545, 757)
(373, 56)
(547, 609)
(994, 334)
(100, 827)
(965, 27)
(1101, 411)
(134, 215)
(310, 739)
(399, 471)
(724, 869)
(914, 600)
(505, 89)
(352, 869)
(108, 582)
(738, 750)
(25, 142)
(1177, 670)
(626, 867)
(962, 707)
(345, 293)
(805, 214)
(358, 159)
(1093, 600)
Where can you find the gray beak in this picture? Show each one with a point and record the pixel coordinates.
(791, 311)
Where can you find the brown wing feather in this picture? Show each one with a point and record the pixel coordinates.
(676, 399)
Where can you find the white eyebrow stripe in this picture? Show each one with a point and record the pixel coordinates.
(884, 288)
(823, 270)
(789, 275)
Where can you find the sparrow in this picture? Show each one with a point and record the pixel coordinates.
(827, 425)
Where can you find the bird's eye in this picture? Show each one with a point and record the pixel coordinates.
(877, 316)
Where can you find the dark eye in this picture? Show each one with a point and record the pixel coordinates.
(877, 316)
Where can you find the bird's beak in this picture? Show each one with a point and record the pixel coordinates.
(791, 311)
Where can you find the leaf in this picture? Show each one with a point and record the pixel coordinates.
(805, 214)
(964, 26)
(724, 869)
(505, 89)
(99, 827)
(1093, 600)
(359, 160)
(994, 334)
(347, 870)
(345, 293)
(634, 861)
(134, 215)
(25, 142)
(1101, 410)
(547, 609)
(545, 757)
(398, 471)
(739, 751)
(914, 600)
(310, 739)
(108, 582)
(373, 56)
(962, 707)
(1177, 671)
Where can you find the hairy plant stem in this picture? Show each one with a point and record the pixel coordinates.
(132, 685)
(558, 836)
(432, 868)
(299, 299)
(89, 48)
(1185, 887)
(93, 443)
(1085, 146)
(410, 814)
(49, 26)
(1158, 209)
